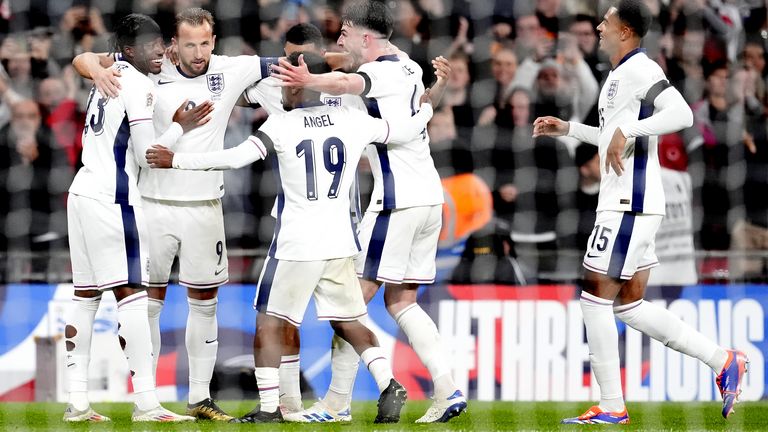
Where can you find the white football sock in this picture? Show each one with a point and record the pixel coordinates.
(290, 390)
(268, 381)
(202, 346)
(603, 342)
(133, 332)
(378, 365)
(154, 307)
(78, 333)
(664, 326)
(425, 340)
(344, 364)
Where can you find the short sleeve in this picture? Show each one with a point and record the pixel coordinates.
(253, 68)
(379, 82)
(139, 99)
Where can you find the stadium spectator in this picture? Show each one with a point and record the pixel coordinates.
(80, 29)
(750, 233)
(503, 69)
(61, 113)
(458, 95)
(15, 57)
(718, 129)
(566, 89)
(533, 186)
(582, 27)
(31, 201)
(674, 240)
(450, 152)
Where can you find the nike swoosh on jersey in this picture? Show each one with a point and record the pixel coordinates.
(210, 341)
(161, 82)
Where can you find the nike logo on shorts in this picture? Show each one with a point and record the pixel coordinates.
(211, 341)
(589, 255)
(218, 272)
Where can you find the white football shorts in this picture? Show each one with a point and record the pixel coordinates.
(193, 230)
(108, 244)
(285, 287)
(622, 243)
(399, 246)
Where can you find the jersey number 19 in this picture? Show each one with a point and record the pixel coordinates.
(333, 160)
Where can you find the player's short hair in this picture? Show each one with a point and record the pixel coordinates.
(131, 27)
(303, 34)
(635, 15)
(370, 14)
(315, 63)
(195, 17)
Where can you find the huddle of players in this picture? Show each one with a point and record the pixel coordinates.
(317, 148)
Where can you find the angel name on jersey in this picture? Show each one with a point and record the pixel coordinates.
(318, 121)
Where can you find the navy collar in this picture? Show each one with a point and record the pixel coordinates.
(629, 54)
(181, 72)
(310, 104)
(390, 57)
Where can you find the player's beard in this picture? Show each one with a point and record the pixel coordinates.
(194, 69)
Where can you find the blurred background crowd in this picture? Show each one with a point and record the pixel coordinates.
(512, 61)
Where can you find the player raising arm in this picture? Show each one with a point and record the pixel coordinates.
(314, 241)
(636, 105)
(107, 233)
(401, 226)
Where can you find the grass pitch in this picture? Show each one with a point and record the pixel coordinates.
(482, 416)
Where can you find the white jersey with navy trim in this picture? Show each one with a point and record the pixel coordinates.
(268, 93)
(317, 150)
(110, 167)
(622, 101)
(223, 83)
(404, 176)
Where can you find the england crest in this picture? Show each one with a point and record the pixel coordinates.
(333, 101)
(613, 88)
(215, 82)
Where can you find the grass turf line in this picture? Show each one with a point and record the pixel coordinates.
(490, 416)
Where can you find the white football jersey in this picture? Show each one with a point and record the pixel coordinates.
(404, 176)
(317, 150)
(268, 94)
(639, 188)
(223, 83)
(110, 168)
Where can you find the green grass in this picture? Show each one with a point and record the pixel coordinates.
(486, 416)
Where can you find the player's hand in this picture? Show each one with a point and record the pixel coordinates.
(194, 117)
(159, 157)
(615, 152)
(550, 126)
(443, 73)
(290, 75)
(106, 81)
(172, 53)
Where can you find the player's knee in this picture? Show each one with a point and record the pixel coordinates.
(398, 297)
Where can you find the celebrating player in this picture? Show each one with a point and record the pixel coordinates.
(314, 240)
(107, 232)
(400, 229)
(183, 206)
(636, 105)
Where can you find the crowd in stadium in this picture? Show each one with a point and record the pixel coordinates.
(512, 61)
